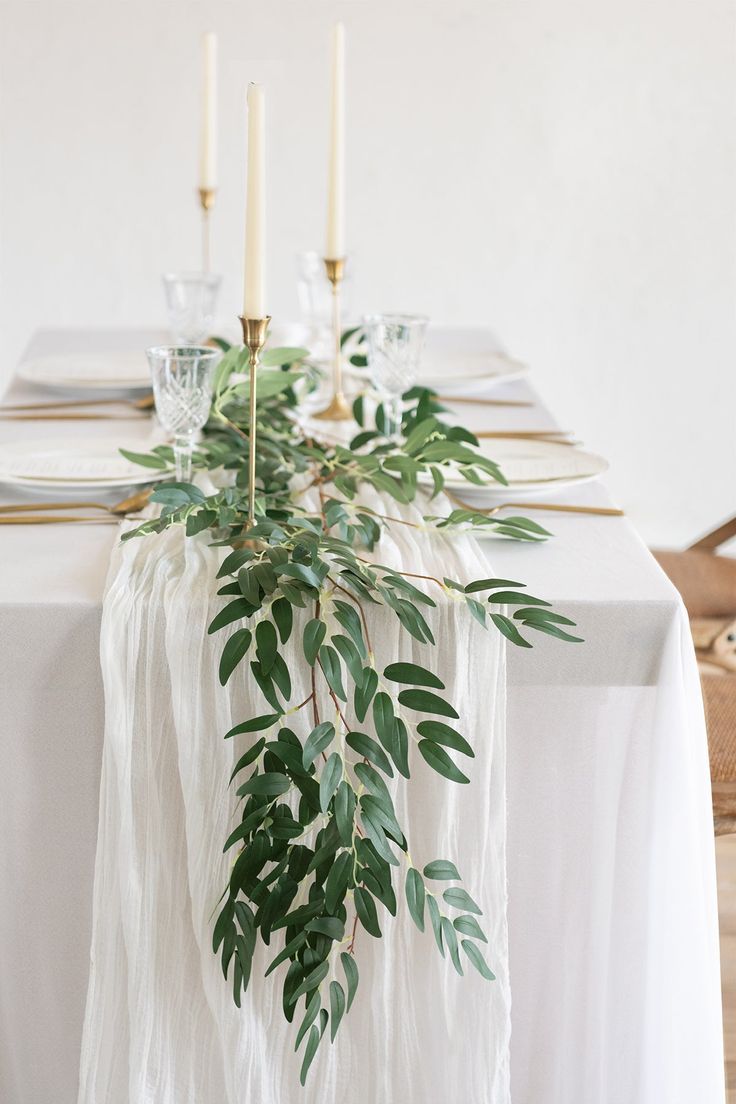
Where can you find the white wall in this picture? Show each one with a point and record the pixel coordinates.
(564, 170)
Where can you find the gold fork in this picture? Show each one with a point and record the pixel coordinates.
(601, 511)
(144, 403)
(119, 509)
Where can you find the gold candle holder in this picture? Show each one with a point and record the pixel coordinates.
(254, 338)
(338, 408)
(206, 202)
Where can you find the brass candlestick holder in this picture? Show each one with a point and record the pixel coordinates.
(206, 202)
(338, 408)
(254, 338)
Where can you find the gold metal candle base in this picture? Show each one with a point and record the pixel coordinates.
(254, 338)
(338, 408)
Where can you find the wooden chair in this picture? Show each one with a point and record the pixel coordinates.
(707, 583)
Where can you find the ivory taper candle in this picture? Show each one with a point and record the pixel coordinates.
(254, 305)
(208, 159)
(336, 168)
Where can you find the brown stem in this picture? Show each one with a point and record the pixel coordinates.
(351, 948)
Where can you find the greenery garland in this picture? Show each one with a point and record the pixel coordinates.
(318, 841)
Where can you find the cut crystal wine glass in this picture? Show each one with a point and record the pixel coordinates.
(182, 388)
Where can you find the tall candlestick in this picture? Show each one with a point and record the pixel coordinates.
(208, 159)
(336, 169)
(254, 304)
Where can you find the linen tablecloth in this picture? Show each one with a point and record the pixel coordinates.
(611, 881)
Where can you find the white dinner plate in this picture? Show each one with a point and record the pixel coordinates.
(63, 465)
(88, 371)
(531, 468)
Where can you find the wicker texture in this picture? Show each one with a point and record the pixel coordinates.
(707, 583)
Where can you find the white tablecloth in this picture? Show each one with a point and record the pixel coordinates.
(611, 881)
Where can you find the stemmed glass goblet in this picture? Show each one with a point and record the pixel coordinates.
(182, 388)
(395, 343)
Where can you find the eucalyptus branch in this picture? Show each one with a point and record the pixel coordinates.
(316, 830)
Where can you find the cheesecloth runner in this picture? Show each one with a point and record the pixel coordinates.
(161, 1026)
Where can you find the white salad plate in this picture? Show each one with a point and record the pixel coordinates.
(63, 465)
(88, 371)
(531, 468)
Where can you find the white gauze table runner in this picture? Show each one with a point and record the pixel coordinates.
(161, 1026)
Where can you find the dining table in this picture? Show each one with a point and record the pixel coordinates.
(612, 917)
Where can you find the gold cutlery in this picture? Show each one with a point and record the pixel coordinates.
(558, 507)
(551, 436)
(68, 416)
(119, 509)
(45, 519)
(145, 402)
(480, 402)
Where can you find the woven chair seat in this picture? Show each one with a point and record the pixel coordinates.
(707, 583)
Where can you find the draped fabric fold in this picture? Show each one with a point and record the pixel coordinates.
(161, 1026)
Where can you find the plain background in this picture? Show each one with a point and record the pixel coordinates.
(563, 171)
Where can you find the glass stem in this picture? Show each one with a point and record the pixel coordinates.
(183, 446)
(393, 415)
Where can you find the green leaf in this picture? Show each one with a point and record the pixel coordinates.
(309, 1052)
(553, 630)
(255, 724)
(233, 611)
(369, 749)
(338, 879)
(332, 668)
(302, 572)
(476, 957)
(364, 693)
(414, 889)
(441, 870)
(351, 976)
(490, 584)
(365, 906)
(145, 459)
(271, 784)
(412, 673)
(331, 775)
(425, 702)
(441, 762)
(345, 812)
(434, 915)
(468, 925)
(458, 898)
(236, 647)
(346, 616)
(329, 926)
(275, 358)
(350, 656)
(383, 719)
(266, 645)
(450, 938)
(442, 734)
(314, 634)
(510, 598)
(288, 952)
(509, 630)
(319, 738)
(249, 756)
(284, 618)
(311, 981)
(309, 1017)
(337, 1007)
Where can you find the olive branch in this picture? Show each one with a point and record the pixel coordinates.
(318, 844)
